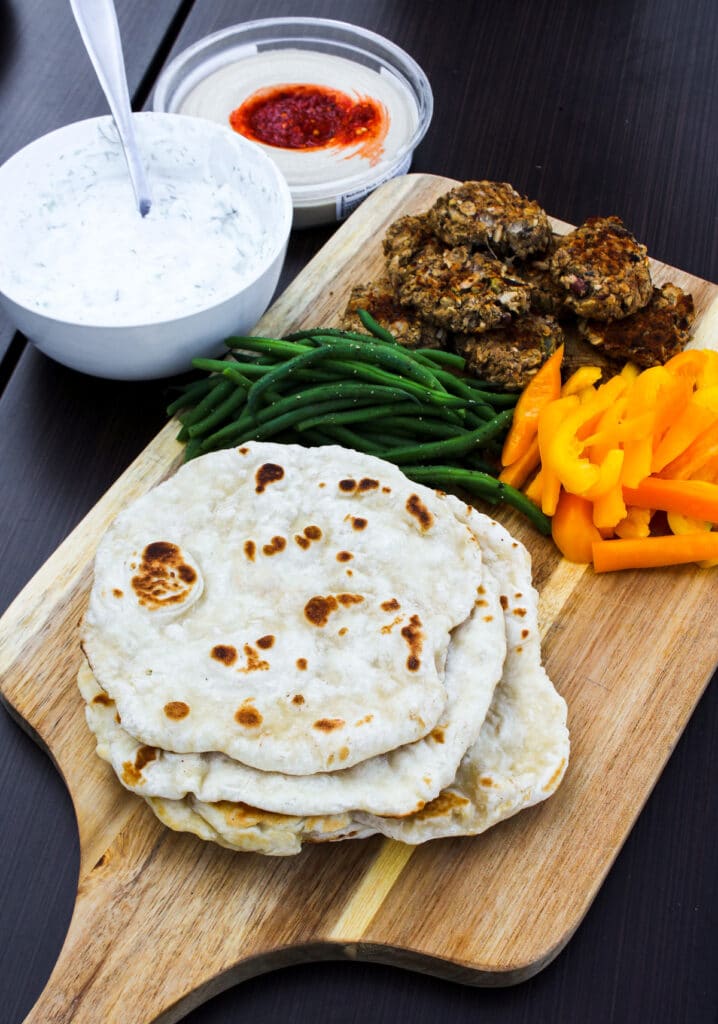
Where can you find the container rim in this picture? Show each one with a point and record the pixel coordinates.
(395, 59)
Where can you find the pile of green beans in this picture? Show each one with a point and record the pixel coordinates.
(323, 386)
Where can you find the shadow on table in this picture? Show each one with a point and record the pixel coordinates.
(8, 36)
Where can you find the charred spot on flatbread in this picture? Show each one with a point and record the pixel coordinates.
(164, 576)
(248, 716)
(414, 636)
(176, 710)
(269, 473)
(225, 653)
(328, 724)
(416, 508)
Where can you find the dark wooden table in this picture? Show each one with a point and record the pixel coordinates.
(590, 107)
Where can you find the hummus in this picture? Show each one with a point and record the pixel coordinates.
(342, 168)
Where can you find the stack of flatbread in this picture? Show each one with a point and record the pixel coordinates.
(288, 645)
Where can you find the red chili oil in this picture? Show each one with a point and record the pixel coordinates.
(312, 117)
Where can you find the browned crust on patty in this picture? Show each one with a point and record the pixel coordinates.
(650, 336)
(602, 269)
(491, 215)
(461, 290)
(511, 356)
(379, 299)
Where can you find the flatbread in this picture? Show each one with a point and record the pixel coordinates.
(249, 605)
(395, 783)
(519, 759)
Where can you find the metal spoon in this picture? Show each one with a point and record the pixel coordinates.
(97, 21)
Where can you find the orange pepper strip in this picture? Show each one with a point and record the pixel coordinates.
(642, 399)
(688, 425)
(637, 523)
(709, 377)
(543, 388)
(572, 528)
(653, 552)
(563, 451)
(534, 490)
(550, 419)
(519, 471)
(670, 403)
(690, 364)
(697, 499)
(609, 478)
(679, 523)
(584, 377)
(609, 509)
(702, 452)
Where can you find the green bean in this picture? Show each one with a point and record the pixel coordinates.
(193, 448)
(333, 332)
(347, 437)
(190, 394)
(455, 384)
(391, 357)
(497, 399)
(327, 392)
(317, 437)
(360, 415)
(484, 486)
(284, 371)
(372, 373)
(220, 414)
(253, 431)
(268, 346)
(452, 447)
(478, 414)
(438, 355)
(419, 425)
(374, 328)
(222, 389)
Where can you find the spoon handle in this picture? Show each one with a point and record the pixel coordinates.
(97, 22)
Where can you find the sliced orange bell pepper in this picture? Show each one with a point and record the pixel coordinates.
(564, 450)
(582, 378)
(637, 523)
(695, 498)
(534, 490)
(572, 528)
(519, 471)
(543, 388)
(654, 552)
(703, 452)
(550, 419)
(686, 427)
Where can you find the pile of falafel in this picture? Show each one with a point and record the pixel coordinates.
(483, 274)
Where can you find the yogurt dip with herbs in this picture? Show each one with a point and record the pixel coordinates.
(80, 251)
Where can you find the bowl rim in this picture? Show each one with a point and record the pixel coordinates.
(356, 34)
(274, 251)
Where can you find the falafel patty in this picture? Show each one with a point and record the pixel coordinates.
(491, 215)
(403, 239)
(547, 297)
(460, 290)
(602, 269)
(407, 326)
(512, 355)
(652, 335)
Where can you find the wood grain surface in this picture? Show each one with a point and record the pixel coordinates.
(631, 653)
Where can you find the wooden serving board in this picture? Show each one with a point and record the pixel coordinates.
(163, 921)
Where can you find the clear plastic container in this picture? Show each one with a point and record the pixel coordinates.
(322, 191)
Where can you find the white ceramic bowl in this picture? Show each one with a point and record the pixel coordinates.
(88, 295)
